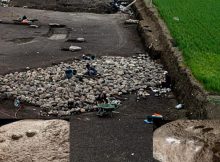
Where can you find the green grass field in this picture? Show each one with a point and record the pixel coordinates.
(195, 25)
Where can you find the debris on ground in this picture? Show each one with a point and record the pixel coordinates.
(106, 109)
(56, 25)
(142, 93)
(131, 21)
(74, 48)
(34, 26)
(179, 106)
(47, 88)
(76, 40)
(115, 5)
(176, 18)
(122, 5)
(127, 7)
(88, 57)
(150, 119)
(17, 103)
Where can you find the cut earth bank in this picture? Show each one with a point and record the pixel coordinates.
(200, 103)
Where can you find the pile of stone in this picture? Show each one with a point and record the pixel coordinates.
(49, 89)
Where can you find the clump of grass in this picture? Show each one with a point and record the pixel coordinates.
(195, 25)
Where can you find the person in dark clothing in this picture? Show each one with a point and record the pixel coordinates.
(91, 71)
(24, 17)
(167, 83)
(102, 98)
(88, 57)
(70, 72)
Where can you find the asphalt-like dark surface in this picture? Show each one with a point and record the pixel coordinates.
(22, 46)
(124, 137)
(9, 111)
(110, 140)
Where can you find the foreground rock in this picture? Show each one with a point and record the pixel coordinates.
(35, 140)
(188, 141)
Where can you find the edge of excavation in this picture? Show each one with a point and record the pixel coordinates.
(159, 44)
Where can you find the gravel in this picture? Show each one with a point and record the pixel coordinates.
(48, 88)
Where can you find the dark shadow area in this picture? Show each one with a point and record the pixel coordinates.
(96, 6)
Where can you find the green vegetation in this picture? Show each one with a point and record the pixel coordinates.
(195, 26)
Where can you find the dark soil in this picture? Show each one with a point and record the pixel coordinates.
(104, 34)
(96, 6)
(8, 111)
(115, 139)
(125, 136)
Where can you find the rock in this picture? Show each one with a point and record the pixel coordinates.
(187, 140)
(75, 48)
(51, 141)
(77, 40)
(30, 133)
(34, 26)
(64, 113)
(131, 21)
(16, 136)
(80, 39)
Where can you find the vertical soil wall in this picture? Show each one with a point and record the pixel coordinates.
(160, 44)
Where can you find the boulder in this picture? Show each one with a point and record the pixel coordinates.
(35, 140)
(188, 141)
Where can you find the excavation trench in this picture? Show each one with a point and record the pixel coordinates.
(118, 50)
(105, 34)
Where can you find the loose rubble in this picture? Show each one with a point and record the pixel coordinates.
(131, 21)
(49, 89)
